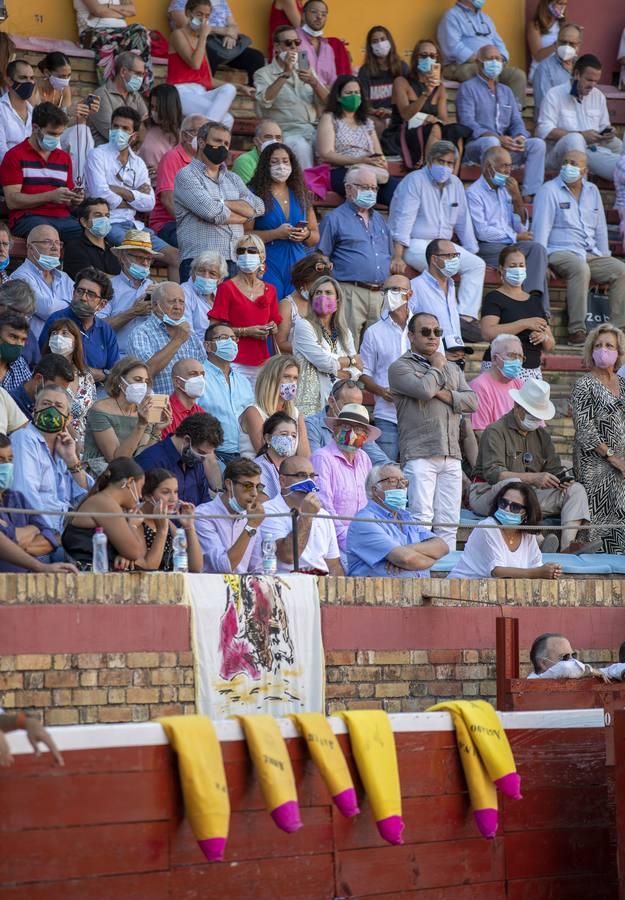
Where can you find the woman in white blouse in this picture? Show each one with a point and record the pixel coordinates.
(324, 345)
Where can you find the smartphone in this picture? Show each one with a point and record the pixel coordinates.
(302, 60)
(565, 476)
(436, 71)
(301, 225)
(607, 130)
(90, 100)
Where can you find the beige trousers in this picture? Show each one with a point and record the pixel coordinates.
(578, 274)
(362, 308)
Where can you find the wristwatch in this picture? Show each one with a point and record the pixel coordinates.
(609, 452)
(250, 531)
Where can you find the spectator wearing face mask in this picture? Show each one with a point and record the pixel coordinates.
(288, 227)
(552, 656)
(118, 491)
(512, 310)
(124, 89)
(321, 59)
(92, 249)
(390, 546)
(507, 552)
(233, 545)
(160, 497)
(92, 292)
(50, 474)
(377, 75)
(557, 68)
(131, 300)
(27, 530)
(190, 454)
(16, 111)
(279, 436)
(188, 380)
(267, 132)
(542, 31)
(119, 425)
(383, 343)
(226, 392)
(51, 369)
(494, 384)
(13, 335)
(516, 448)
(276, 390)
(317, 545)
(63, 337)
(296, 305)
(208, 270)
(456, 352)
(434, 291)
(342, 466)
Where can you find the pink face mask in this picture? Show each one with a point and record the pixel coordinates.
(604, 358)
(324, 304)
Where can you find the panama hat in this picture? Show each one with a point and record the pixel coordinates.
(136, 240)
(354, 414)
(534, 398)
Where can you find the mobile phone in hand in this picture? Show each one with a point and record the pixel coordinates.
(302, 60)
(300, 226)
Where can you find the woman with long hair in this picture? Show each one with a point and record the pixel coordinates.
(346, 137)
(289, 224)
(162, 127)
(64, 338)
(506, 551)
(324, 347)
(381, 67)
(102, 27)
(419, 109)
(276, 388)
(542, 30)
(296, 304)
(279, 441)
(160, 497)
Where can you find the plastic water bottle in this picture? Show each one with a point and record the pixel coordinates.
(270, 560)
(181, 560)
(100, 556)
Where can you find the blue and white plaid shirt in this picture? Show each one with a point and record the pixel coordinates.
(151, 337)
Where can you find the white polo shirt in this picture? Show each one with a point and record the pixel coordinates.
(382, 344)
(322, 543)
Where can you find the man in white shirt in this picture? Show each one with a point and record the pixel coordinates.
(576, 118)
(15, 111)
(131, 298)
(434, 291)
(384, 342)
(317, 545)
(116, 174)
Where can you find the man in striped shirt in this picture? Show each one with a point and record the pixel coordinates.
(37, 178)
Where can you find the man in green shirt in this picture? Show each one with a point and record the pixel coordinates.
(267, 132)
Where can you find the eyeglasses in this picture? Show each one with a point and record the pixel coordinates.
(301, 475)
(4, 245)
(49, 243)
(363, 187)
(511, 505)
(398, 482)
(511, 357)
(241, 251)
(83, 292)
(126, 176)
(563, 657)
(224, 337)
(249, 486)
(428, 332)
(292, 42)
(448, 256)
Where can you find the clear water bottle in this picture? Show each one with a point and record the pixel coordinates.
(100, 556)
(181, 560)
(270, 560)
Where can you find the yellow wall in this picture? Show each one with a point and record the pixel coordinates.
(349, 19)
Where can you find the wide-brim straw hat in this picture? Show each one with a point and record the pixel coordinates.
(354, 414)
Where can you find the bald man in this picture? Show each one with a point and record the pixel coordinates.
(569, 220)
(500, 218)
(490, 110)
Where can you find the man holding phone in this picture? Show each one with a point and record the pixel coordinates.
(316, 53)
(575, 117)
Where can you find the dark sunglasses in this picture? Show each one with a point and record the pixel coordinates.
(292, 43)
(428, 332)
(241, 251)
(511, 505)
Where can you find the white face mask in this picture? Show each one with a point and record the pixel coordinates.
(193, 387)
(59, 84)
(566, 52)
(280, 171)
(194, 143)
(381, 49)
(566, 668)
(395, 299)
(135, 392)
(530, 422)
(61, 343)
(311, 31)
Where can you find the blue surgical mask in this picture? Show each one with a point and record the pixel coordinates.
(236, 506)
(118, 138)
(248, 262)
(365, 199)
(570, 174)
(515, 275)
(139, 272)
(195, 23)
(49, 262)
(205, 285)
(6, 475)
(226, 349)
(397, 498)
(508, 519)
(307, 486)
(101, 226)
(167, 320)
(511, 368)
(499, 179)
(440, 174)
(49, 142)
(425, 64)
(134, 83)
(478, 4)
(451, 267)
(493, 68)
(4, 263)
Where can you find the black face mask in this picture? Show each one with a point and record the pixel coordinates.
(23, 89)
(461, 363)
(216, 155)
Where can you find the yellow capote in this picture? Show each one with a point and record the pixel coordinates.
(486, 758)
(373, 746)
(273, 767)
(327, 755)
(203, 780)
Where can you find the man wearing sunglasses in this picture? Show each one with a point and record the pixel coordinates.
(552, 656)
(430, 395)
(291, 95)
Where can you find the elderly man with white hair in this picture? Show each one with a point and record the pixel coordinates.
(208, 270)
(492, 386)
(165, 337)
(392, 544)
(267, 132)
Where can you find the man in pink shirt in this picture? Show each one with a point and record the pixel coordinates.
(321, 57)
(163, 216)
(342, 466)
(493, 386)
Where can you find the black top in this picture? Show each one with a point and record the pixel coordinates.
(167, 559)
(378, 89)
(78, 544)
(429, 108)
(508, 310)
(80, 253)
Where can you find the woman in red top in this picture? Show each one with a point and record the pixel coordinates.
(249, 306)
(190, 72)
(283, 12)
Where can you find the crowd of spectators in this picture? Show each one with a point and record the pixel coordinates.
(232, 397)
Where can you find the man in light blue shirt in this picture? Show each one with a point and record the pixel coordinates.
(434, 291)
(53, 289)
(430, 204)
(462, 31)
(557, 68)
(390, 546)
(569, 220)
(226, 393)
(490, 111)
(500, 219)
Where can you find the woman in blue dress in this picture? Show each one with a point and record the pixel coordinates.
(289, 225)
